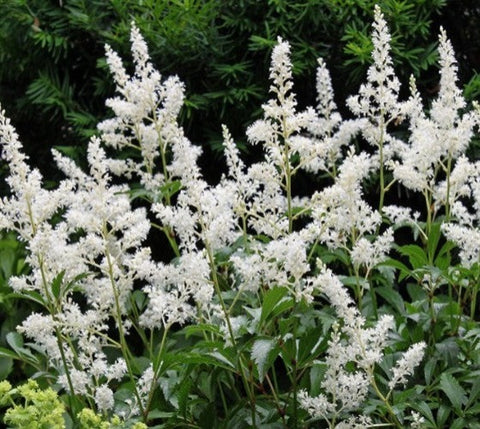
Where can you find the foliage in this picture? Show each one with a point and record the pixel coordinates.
(275, 309)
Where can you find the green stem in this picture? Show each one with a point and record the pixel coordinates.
(275, 397)
(288, 187)
(170, 237)
(118, 318)
(473, 301)
(248, 386)
(447, 200)
(156, 372)
(381, 156)
(428, 228)
(52, 310)
(385, 400)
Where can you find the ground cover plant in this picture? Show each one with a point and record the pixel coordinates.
(276, 309)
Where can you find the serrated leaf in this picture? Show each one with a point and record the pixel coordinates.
(263, 354)
(57, 284)
(392, 297)
(30, 295)
(215, 359)
(425, 411)
(404, 270)
(200, 329)
(183, 392)
(459, 424)
(474, 393)
(272, 298)
(451, 387)
(416, 255)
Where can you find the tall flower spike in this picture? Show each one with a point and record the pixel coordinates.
(435, 140)
(450, 100)
(378, 98)
(281, 120)
(321, 149)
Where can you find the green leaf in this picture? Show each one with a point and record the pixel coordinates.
(474, 393)
(140, 299)
(317, 374)
(264, 352)
(30, 295)
(6, 366)
(214, 358)
(404, 270)
(429, 370)
(433, 238)
(15, 341)
(451, 387)
(416, 255)
(310, 343)
(392, 297)
(183, 391)
(200, 330)
(425, 410)
(57, 284)
(7, 353)
(442, 415)
(272, 299)
(459, 424)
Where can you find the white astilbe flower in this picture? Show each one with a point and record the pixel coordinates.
(265, 200)
(318, 407)
(202, 214)
(368, 254)
(321, 149)
(356, 422)
(467, 239)
(340, 209)
(145, 384)
(111, 232)
(353, 351)
(417, 421)
(281, 262)
(172, 288)
(450, 100)
(457, 185)
(276, 131)
(81, 381)
(280, 117)
(377, 100)
(41, 328)
(406, 365)
(104, 398)
(379, 96)
(146, 111)
(438, 139)
(85, 237)
(29, 207)
(401, 215)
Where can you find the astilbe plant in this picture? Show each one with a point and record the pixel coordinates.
(248, 322)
